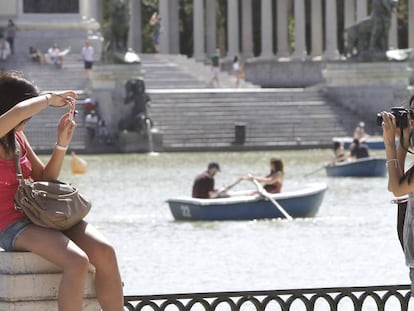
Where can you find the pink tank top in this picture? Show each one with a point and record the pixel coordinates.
(8, 186)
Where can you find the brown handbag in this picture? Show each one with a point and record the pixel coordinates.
(50, 204)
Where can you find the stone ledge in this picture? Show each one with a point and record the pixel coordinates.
(27, 287)
(27, 262)
(51, 305)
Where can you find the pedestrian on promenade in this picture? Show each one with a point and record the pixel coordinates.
(4, 48)
(237, 70)
(11, 34)
(215, 67)
(400, 181)
(88, 58)
(155, 22)
(74, 249)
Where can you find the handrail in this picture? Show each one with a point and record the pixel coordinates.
(286, 299)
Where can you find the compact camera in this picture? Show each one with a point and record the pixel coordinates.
(401, 116)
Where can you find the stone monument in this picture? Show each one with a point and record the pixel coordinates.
(367, 82)
(367, 40)
(118, 82)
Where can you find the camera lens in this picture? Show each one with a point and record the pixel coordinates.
(379, 119)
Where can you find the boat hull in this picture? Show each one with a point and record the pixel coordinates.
(367, 167)
(298, 204)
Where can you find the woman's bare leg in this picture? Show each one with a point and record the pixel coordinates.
(108, 284)
(58, 249)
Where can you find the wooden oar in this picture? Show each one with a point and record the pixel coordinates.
(315, 171)
(230, 186)
(267, 195)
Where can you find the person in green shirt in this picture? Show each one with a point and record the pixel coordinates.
(215, 67)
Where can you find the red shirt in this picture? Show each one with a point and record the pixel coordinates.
(8, 186)
(203, 184)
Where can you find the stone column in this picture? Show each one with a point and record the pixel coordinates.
(173, 25)
(266, 31)
(316, 30)
(135, 26)
(99, 12)
(331, 37)
(198, 26)
(349, 18)
(233, 28)
(282, 27)
(362, 9)
(300, 44)
(393, 34)
(411, 24)
(84, 8)
(247, 28)
(163, 9)
(211, 24)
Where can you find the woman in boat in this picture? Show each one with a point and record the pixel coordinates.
(401, 182)
(273, 181)
(74, 249)
(339, 152)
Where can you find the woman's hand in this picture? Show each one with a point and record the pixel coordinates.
(66, 128)
(389, 128)
(62, 99)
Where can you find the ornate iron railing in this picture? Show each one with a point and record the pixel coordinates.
(380, 298)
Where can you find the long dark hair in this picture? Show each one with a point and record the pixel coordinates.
(410, 172)
(276, 165)
(13, 89)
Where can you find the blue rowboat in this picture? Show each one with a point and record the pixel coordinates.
(299, 203)
(373, 142)
(365, 167)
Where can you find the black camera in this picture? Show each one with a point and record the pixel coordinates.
(401, 116)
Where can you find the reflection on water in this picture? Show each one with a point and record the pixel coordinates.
(352, 241)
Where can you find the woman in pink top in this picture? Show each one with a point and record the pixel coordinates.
(274, 180)
(73, 249)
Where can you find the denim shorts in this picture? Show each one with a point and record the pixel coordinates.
(9, 235)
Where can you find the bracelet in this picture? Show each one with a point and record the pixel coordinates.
(396, 163)
(61, 148)
(47, 98)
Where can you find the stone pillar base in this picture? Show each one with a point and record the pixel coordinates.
(29, 282)
(368, 88)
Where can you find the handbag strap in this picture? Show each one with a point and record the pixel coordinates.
(17, 153)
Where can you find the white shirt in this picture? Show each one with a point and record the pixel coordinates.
(408, 232)
(87, 53)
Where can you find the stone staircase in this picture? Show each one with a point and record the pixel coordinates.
(163, 71)
(191, 115)
(208, 119)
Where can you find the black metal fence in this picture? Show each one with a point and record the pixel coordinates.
(378, 298)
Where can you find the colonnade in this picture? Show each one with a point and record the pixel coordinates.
(324, 39)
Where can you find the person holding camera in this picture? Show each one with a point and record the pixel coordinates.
(400, 182)
(75, 248)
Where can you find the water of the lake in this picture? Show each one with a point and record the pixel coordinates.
(351, 242)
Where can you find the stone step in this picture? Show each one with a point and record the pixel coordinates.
(51, 305)
(29, 282)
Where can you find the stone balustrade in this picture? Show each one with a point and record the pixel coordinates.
(30, 283)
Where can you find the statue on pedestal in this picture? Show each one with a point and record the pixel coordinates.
(137, 120)
(367, 40)
(116, 35)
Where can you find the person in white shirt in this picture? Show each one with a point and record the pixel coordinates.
(5, 50)
(88, 58)
(55, 56)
